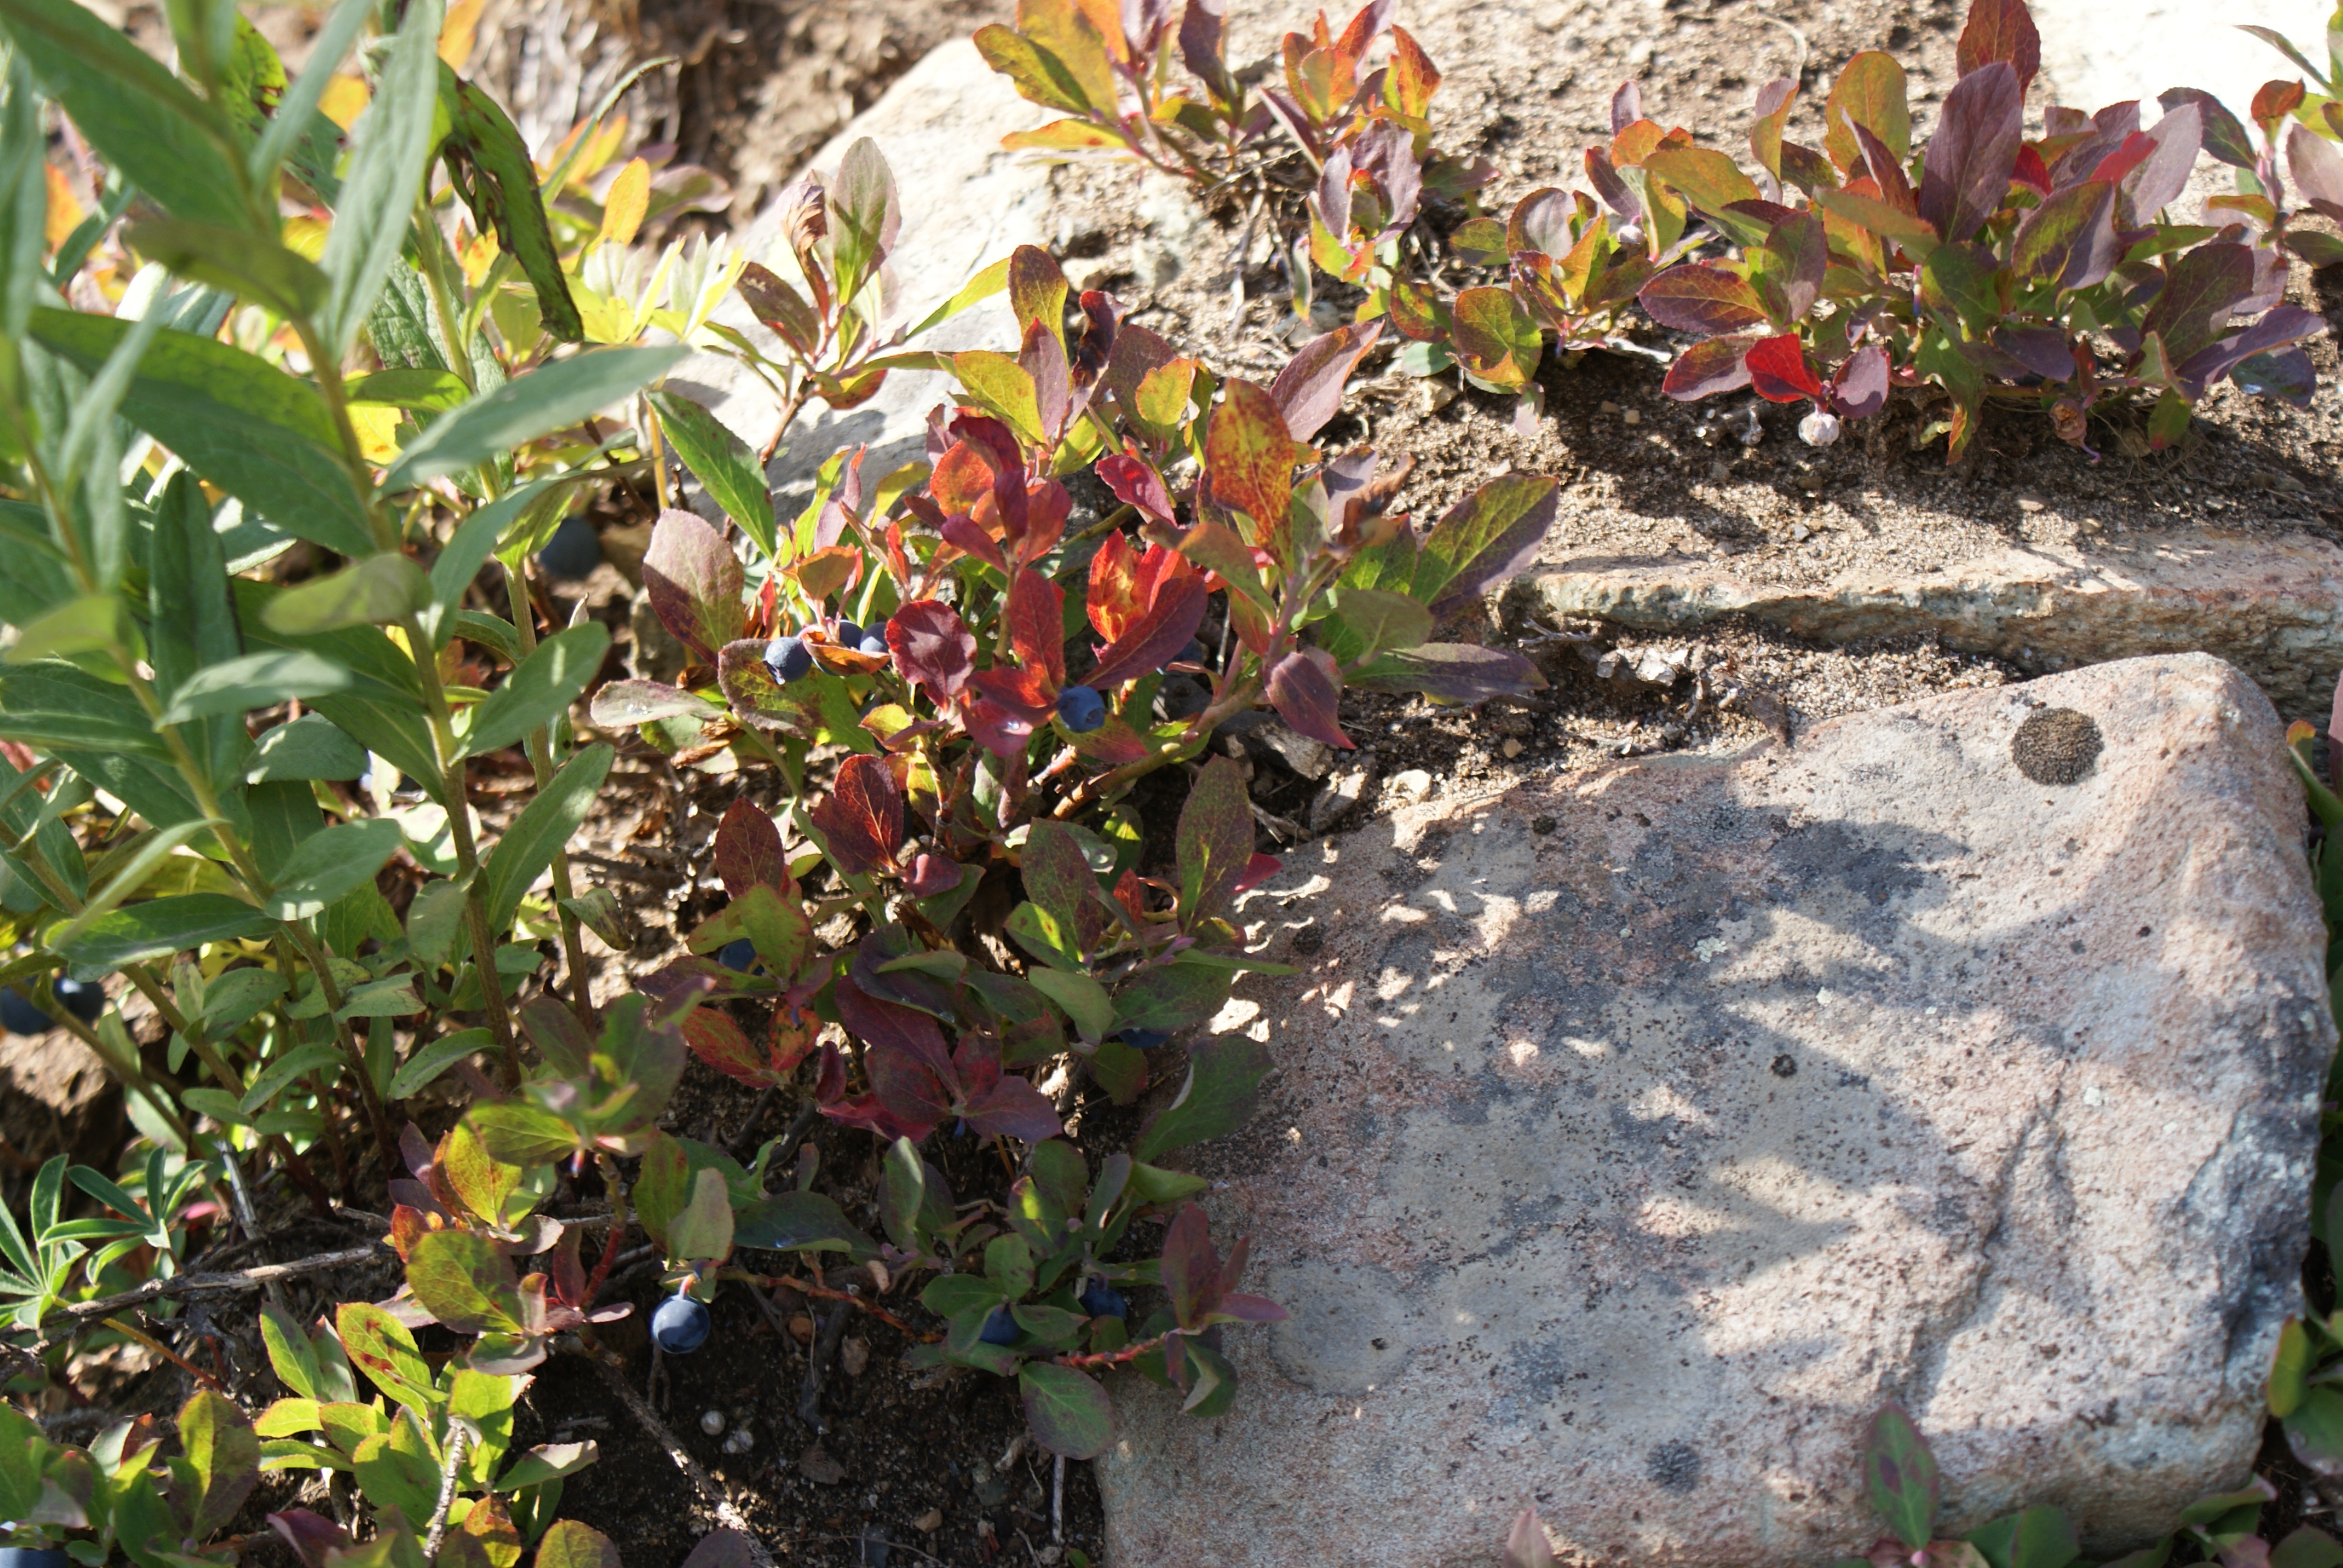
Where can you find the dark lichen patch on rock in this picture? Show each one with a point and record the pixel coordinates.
(2057, 746)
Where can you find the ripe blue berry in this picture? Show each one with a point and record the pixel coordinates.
(1080, 710)
(740, 955)
(681, 1326)
(574, 551)
(21, 1015)
(847, 634)
(874, 641)
(787, 658)
(1000, 1328)
(1144, 1039)
(1100, 1299)
(83, 999)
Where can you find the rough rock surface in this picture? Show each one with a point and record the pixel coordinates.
(1636, 1134)
(965, 203)
(2271, 605)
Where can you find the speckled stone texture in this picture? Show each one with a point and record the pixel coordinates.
(1635, 1135)
(2271, 604)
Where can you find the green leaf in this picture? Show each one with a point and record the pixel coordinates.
(1899, 1477)
(55, 707)
(230, 259)
(223, 1453)
(1224, 1074)
(164, 926)
(569, 1545)
(256, 680)
(236, 999)
(2307, 1547)
(309, 746)
(1009, 1263)
(93, 623)
(1369, 621)
(381, 589)
(379, 1346)
(805, 1222)
(151, 852)
(498, 181)
(1484, 540)
(703, 1230)
(545, 400)
(529, 845)
(722, 463)
(547, 1462)
(428, 1062)
(1170, 996)
(1084, 1000)
(297, 106)
(297, 1063)
(165, 140)
(290, 1351)
(328, 865)
(1067, 1409)
(260, 434)
(191, 613)
(541, 690)
(949, 1295)
(522, 1134)
(392, 143)
(463, 1280)
(2290, 1369)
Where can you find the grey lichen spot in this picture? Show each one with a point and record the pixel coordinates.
(1673, 1466)
(1348, 1333)
(2057, 746)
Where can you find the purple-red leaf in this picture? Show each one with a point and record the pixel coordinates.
(1483, 540)
(1306, 690)
(885, 1025)
(1036, 627)
(2000, 30)
(1974, 149)
(692, 579)
(1015, 1108)
(1862, 387)
(2070, 237)
(1705, 369)
(1155, 637)
(1451, 671)
(862, 816)
(1135, 482)
(2163, 174)
(749, 850)
(1213, 844)
(2316, 166)
(1308, 391)
(2200, 289)
(1192, 1267)
(932, 647)
(1704, 298)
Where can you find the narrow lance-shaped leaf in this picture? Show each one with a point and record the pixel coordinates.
(722, 463)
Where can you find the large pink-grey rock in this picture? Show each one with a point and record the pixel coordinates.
(1636, 1134)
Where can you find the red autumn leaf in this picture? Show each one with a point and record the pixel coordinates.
(1257, 869)
(998, 729)
(1707, 369)
(862, 816)
(962, 534)
(1114, 597)
(749, 850)
(1017, 691)
(2000, 30)
(1192, 1267)
(906, 1087)
(1249, 457)
(1778, 370)
(1308, 391)
(1306, 690)
(932, 874)
(718, 1041)
(1036, 627)
(885, 1025)
(1042, 524)
(1154, 638)
(932, 646)
(1013, 1108)
(1134, 480)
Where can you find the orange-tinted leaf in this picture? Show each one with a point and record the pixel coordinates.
(1870, 91)
(2000, 30)
(1414, 78)
(1155, 638)
(1036, 607)
(961, 478)
(1114, 586)
(1249, 457)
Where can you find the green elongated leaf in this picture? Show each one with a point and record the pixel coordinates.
(526, 408)
(223, 1453)
(547, 1462)
(298, 103)
(703, 1228)
(378, 1345)
(949, 1295)
(1899, 1477)
(231, 260)
(297, 1063)
(426, 1064)
(498, 181)
(290, 1352)
(24, 198)
(2033, 1538)
(1084, 1000)
(801, 1221)
(1483, 540)
(1067, 1409)
(309, 746)
(166, 141)
(522, 1134)
(254, 680)
(164, 926)
(529, 845)
(393, 147)
(151, 852)
(722, 463)
(414, 388)
(1224, 1074)
(1171, 996)
(541, 690)
(1040, 77)
(57, 706)
(383, 711)
(191, 615)
(391, 998)
(379, 591)
(325, 866)
(1369, 621)
(260, 434)
(93, 623)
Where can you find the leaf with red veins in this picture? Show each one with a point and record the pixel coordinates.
(1037, 629)
(862, 816)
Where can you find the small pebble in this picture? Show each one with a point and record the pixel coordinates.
(853, 1356)
(713, 1422)
(1610, 407)
(1512, 748)
(2028, 504)
(1410, 785)
(740, 1442)
(1631, 417)
(930, 1521)
(801, 1328)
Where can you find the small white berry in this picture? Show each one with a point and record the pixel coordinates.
(713, 1422)
(1819, 429)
